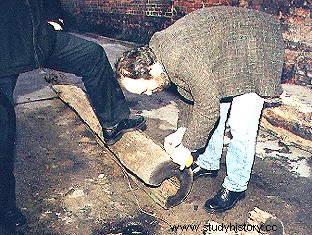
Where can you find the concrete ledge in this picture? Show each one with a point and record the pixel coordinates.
(291, 119)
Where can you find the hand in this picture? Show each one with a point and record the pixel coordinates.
(182, 156)
(174, 139)
(56, 25)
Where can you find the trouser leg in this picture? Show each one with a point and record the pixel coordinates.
(244, 123)
(210, 159)
(7, 144)
(89, 60)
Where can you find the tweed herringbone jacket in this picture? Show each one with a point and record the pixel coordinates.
(219, 52)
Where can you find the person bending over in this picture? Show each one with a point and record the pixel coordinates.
(224, 61)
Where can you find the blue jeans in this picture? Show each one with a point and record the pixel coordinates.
(243, 120)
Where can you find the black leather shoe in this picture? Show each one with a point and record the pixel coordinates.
(114, 133)
(223, 200)
(201, 172)
(14, 221)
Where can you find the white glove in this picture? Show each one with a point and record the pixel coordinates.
(56, 25)
(182, 156)
(174, 139)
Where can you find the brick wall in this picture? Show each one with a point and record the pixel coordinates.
(124, 19)
(134, 20)
(117, 18)
(137, 20)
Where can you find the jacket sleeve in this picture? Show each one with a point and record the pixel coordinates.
(53, 10)
(185, 113)
(203, 116)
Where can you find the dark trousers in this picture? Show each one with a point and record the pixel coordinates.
(7, 144)
(73, 55)
(87, 59)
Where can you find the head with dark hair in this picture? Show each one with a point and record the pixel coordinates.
(136, 63)
(138, 71)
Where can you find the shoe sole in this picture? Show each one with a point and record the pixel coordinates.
(212, 176)
(141, 126)
(227, 208)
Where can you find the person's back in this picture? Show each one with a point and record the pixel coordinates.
(232, 45)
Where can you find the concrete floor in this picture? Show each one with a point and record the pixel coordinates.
(68, 184)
